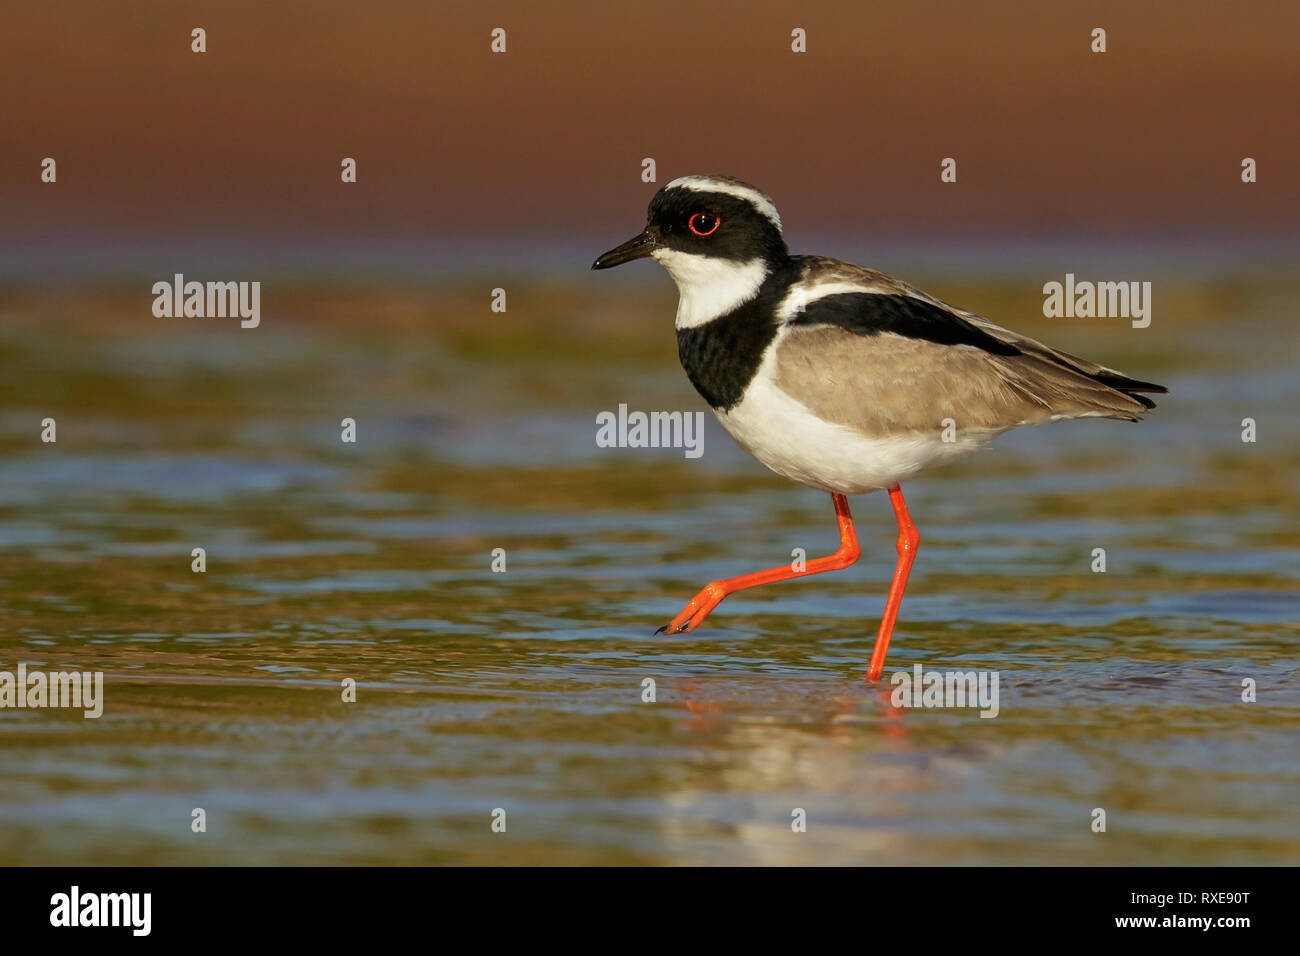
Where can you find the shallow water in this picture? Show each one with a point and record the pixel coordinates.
(522, 690)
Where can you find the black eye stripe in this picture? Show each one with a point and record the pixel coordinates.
(743, 232)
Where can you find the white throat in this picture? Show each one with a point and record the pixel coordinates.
(708, 286)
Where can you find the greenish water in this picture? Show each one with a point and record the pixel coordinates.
(522, 690)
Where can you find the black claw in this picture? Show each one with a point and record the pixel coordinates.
(660, 631)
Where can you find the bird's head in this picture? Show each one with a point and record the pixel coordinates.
(718, 238)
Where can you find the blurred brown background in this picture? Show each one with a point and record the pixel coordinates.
(454, 143)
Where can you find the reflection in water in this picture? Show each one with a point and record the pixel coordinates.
(523, 690)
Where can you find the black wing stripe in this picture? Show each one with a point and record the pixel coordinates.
(870, 313)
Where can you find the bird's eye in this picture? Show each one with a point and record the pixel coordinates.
(703, 224)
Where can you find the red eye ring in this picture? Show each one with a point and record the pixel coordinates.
(704, 232)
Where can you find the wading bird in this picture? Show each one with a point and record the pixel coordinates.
(839, 376)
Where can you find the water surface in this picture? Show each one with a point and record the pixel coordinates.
(522, 690)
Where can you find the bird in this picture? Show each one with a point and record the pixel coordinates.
(841, 377)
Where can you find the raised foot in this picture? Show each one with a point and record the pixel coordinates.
(697, 610)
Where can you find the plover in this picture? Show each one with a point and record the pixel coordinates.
(840, 377)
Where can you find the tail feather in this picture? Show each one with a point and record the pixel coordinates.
(1131, 387)
(1063, 391)
(1106, 392)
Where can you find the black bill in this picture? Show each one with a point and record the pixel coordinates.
(636, 248)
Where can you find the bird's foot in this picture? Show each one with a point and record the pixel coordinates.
(697, 610)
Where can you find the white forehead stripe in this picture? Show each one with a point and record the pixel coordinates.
(711, 185)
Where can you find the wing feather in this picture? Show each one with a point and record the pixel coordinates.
(867, 372)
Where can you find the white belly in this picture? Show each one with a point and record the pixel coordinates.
(789, 439)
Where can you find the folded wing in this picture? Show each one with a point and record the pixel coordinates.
(882, 357)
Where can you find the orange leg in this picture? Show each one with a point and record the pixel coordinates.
(713, 592)
(908, 539)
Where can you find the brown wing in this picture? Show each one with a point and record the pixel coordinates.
(1014, 380)
(886, 384)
